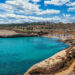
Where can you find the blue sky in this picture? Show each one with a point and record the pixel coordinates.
(20, 11)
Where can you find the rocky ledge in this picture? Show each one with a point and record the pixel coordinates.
(53, 64)
(16, 33)
(12, 33)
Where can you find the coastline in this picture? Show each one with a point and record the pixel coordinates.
(56, 62)
(50, 65)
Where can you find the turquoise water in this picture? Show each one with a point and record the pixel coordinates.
(17, 55)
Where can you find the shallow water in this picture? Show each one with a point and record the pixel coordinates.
(17, 55)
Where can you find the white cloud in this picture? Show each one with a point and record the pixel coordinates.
(72, 9)
(12, 18)
(49, 11)
(20, 11)
(36, 0)
(14, 11)
(67, 18)
(71, 6)
(23, 6)
(6, 8)
(56, 2)
(44, 19)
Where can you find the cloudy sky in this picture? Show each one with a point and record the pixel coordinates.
(20, 11)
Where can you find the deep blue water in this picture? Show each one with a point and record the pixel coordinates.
(17, 55)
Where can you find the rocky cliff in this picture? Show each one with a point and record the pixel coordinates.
(53, 64)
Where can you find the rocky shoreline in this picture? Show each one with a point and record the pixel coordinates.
(55, 63)
(51, 65)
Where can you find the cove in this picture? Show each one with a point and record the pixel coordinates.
(17, 55)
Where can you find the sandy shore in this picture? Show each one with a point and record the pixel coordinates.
(53, 64)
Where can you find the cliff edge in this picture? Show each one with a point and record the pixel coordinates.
(55, 63)
(11, 33)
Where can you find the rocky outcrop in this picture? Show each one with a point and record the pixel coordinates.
(11, 33)
(16, 33)
(54, 63)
